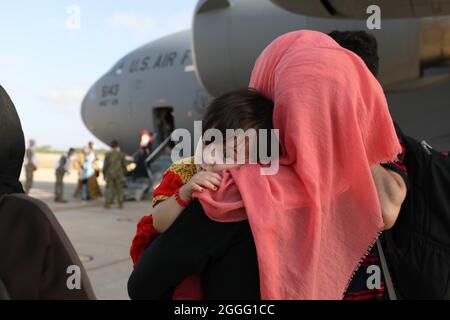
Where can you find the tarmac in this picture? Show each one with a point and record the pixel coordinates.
(101, 237)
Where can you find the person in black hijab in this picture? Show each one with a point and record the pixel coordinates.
(37, 259)
(12, 146)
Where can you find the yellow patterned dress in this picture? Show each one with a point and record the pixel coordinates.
(178, 174)
(175, 177)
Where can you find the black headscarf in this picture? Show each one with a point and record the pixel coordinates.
(12, 146)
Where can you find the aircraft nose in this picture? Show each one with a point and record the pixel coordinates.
(88, 110)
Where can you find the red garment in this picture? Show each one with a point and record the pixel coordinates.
(145, 233)
(170, 182)
(190, 288)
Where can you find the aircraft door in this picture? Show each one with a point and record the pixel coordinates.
(163, 122)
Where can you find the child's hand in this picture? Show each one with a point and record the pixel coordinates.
(200, 181)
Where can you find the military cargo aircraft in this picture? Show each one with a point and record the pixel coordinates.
(166, 84)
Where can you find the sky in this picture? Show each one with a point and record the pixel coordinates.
(52, 51)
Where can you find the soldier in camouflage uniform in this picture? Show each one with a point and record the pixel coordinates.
(62, 168)
(114, 169)
(30, 165)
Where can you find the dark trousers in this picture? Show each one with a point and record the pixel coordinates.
(224, 254)
(84, 190)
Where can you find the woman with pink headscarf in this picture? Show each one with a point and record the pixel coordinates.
(316, 218)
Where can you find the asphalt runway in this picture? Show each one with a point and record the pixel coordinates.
(101, 237)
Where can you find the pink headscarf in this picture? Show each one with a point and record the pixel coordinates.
(316, 218)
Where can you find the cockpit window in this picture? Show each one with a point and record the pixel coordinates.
(118, 68)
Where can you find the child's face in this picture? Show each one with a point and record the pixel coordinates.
(220, 156)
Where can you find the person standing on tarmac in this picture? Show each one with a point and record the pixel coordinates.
(145, 149)
(62, 168)
(114, 169)
(93, 183)
(30, 165)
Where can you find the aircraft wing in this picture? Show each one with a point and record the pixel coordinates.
(357, 9)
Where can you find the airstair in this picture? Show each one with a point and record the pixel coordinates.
(156, 163)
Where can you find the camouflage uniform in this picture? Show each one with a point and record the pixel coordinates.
(30, 167)
(60, 171)
(114, 169)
